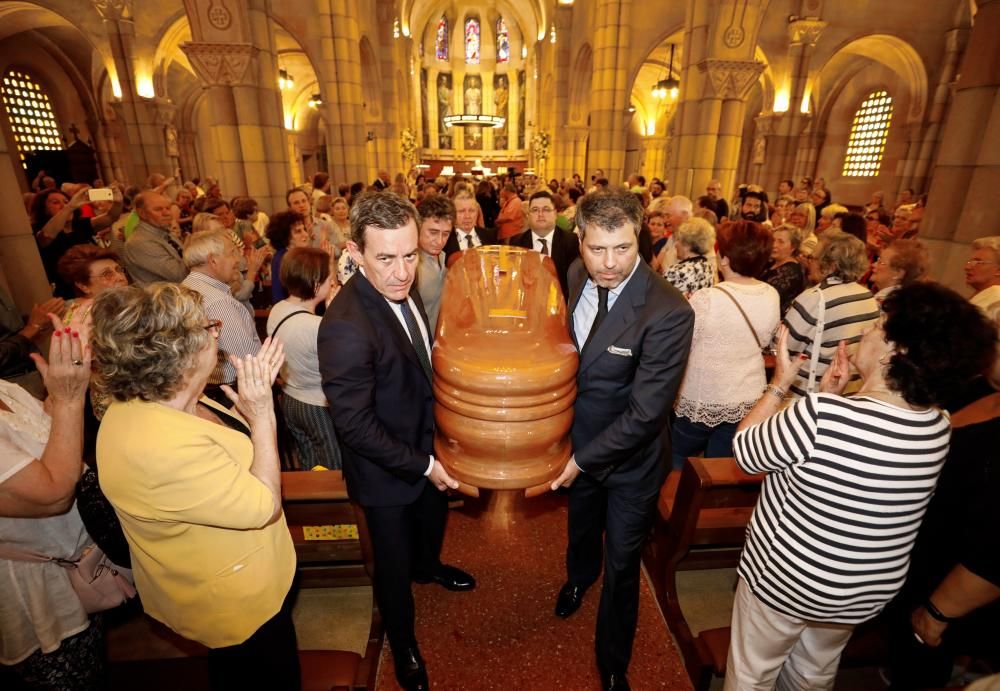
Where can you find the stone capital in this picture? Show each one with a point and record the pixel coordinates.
(767, 123)
(113, 10)
(162, 109)
(222, 64)
(806, 31)
(730, 78)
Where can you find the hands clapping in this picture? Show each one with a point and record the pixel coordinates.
(255, 375)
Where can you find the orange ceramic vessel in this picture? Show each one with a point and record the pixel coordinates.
(504, 371)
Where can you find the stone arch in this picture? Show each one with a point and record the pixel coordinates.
(892, 52)
(531, 17)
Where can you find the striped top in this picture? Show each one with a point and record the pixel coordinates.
(849, 480)
(831, 312)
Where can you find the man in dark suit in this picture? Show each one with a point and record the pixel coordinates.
(543, 236)
(374, 345)
(467, 234)
(633, 331)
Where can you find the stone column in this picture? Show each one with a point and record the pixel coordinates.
(685, 125)
(237, 64)
(654, 156)
(807, 159)
(562, 165)
(955, 41)
(721, 109)
(783, 145)
(138, 115)
(189, 154)
(610, 92)
(389, 128)
(340, 79)
(21, 267)
(961, 204)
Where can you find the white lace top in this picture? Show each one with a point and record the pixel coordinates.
(725, 371)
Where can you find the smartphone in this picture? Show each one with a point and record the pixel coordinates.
(101, 194)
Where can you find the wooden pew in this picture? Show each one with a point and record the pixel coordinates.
(701, 523)
(320, 498)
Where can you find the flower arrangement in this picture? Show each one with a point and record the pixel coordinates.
(408, 144)
(540, 145)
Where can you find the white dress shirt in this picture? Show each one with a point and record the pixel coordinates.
(463, 243)
(586, 307)
(536, 241)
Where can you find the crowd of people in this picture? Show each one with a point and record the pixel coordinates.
(176, 314)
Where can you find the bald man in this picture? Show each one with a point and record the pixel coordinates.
(151, 254)
(721, 206)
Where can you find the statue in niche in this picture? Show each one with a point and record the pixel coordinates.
(759, 150)
(501, 95)
(473, 95)
(473, 106)
(170, 135)
(444, 109)
(520, 107)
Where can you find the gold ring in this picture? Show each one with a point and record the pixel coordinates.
(78, 363)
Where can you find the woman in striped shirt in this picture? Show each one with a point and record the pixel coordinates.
(849, 479)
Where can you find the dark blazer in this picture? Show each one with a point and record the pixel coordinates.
(564, 251)
(620, 432)
(381, 400)
(488, 236)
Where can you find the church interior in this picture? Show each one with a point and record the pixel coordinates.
(894, 98)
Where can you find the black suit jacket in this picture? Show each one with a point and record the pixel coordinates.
(381, 400)
(564, 251)
(628, 378)
(486, 235)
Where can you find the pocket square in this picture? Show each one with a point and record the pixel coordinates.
(624, 352)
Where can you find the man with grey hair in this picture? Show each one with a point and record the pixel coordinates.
(214, 262)
(714, 192)
(374, 349)
(150, 254)
(633, 331)
(982, 274)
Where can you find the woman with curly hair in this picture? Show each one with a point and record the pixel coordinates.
(848, 482)
(197, 488)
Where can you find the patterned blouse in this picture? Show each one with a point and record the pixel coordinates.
(691, 274)
(788, 279)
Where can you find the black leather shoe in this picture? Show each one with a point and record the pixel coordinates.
(615, 682)
(570, 597)
(449, 577)
(410, 671)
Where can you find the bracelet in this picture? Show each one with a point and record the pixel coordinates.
(937, 614)
(777, 391)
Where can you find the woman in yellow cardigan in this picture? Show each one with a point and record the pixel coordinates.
(197, 491)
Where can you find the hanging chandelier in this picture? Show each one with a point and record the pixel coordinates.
(668, 86)
(469, 120)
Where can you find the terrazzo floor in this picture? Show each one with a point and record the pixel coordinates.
(503, 634)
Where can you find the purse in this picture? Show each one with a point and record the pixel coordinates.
(99, 583)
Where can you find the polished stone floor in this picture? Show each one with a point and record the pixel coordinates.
(503, 634)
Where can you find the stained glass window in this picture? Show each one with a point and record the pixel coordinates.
(29, 112)
(503, 41)
(869, 131)
(471, 41)
(441, 41)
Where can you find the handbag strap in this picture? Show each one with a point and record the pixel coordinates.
(287, 317)
(746, 319)
(14, 554)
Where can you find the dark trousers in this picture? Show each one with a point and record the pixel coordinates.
(269, 659)
(622, 517)
(692, 438)
(406, 540)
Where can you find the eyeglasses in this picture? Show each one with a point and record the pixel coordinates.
(541, 210)
(214, 327)
(977, 262)
(110, 273)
